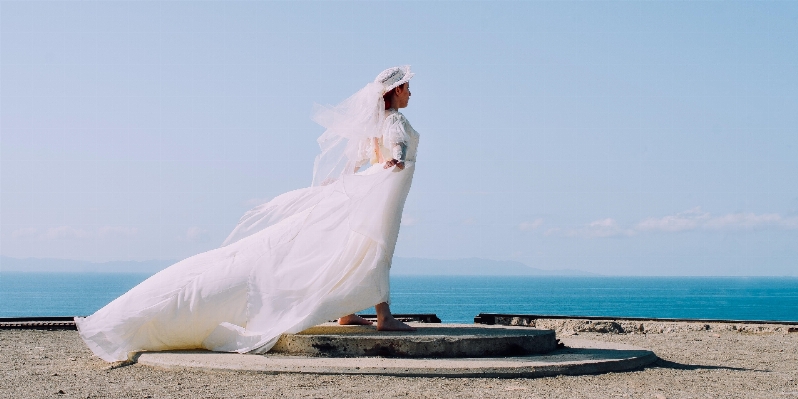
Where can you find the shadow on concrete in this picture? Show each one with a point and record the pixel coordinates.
(662, 363)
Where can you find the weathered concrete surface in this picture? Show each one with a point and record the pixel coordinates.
(433, 341)
(580, 357)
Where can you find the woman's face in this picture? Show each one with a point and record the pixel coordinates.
(402, 95)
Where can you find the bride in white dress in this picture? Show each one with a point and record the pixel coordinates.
(305, 257)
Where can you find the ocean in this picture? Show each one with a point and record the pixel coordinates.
(457, 299)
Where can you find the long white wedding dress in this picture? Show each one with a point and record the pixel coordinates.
(305, 257)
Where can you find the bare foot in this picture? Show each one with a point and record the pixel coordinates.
(391, 324)
(354, 320)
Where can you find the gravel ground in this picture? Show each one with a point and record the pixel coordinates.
(695, 364)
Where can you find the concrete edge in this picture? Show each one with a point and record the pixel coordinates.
(561, 362)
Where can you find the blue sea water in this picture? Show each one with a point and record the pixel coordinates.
(460, 298)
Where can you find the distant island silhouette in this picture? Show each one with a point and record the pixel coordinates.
(400, 267)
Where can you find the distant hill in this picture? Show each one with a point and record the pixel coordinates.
(8, 264)
(473, 267)
(401, 267)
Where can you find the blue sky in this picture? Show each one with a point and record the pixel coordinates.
(620, 138)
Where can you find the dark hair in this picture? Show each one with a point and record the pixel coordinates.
(389, 95)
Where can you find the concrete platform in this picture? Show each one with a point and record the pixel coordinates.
(430, 341)
(578, 357)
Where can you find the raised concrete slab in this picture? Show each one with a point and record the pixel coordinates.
(430, 341)
(579, 357)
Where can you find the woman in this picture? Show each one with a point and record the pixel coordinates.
(303, 258)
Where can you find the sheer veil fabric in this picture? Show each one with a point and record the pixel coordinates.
(303, 258)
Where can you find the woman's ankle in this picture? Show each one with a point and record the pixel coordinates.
(383, 312)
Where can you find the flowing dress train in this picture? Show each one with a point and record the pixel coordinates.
(305, 257)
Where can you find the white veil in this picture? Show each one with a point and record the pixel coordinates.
(350, 126)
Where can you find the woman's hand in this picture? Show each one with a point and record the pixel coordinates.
(394, 162)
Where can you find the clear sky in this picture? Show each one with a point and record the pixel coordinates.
(631, 138)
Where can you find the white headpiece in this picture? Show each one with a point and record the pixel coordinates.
(352, 123)
(394, 77)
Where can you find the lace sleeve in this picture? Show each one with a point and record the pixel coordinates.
(395, 137)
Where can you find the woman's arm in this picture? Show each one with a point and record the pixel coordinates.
(396, 138)
(398, 152)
